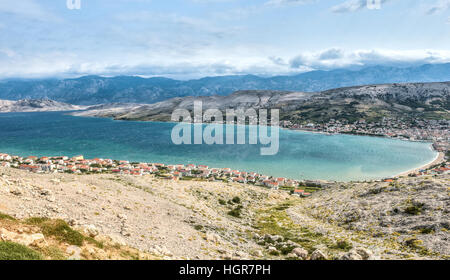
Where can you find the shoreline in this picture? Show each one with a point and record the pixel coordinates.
(440, 157)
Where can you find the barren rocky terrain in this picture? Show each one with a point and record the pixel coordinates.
(41, 105)
(373, 102)
(161, 219)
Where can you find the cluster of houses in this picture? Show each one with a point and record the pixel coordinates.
(79, 165)
(433, 171)
(437, 131)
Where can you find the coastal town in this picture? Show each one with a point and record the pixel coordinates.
(435, 131)
(80, 165)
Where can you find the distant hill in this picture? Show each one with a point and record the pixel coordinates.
(91, 90)
(418, 100)
(27, 105)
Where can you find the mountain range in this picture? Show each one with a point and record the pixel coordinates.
(91, 90)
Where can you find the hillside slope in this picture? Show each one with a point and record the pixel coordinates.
(407, 219)
(28, 105)
(419, 100)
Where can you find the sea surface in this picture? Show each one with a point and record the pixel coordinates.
(302, 155)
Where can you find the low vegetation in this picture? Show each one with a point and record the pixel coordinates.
(275, 221)
(14, 251)
(236, 212)
(58, 236)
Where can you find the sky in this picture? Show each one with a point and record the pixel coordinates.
(187, 39)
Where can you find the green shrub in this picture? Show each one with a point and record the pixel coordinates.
(58, 229)
(236, 212)
(343, 245)
(286, 249)
(198, 227)
(283, 206)
(36, 220)
(414, 208)
(426, 230)
(54, 253)
(414, 243)
(6, 217)
(222, 202)
(14, 251)
(91, 240)
(274, 253)
(236, 199)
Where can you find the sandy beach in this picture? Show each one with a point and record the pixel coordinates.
(439, 159)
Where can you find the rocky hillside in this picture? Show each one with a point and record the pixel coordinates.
(29, 105)
(92, 90)
(104, 216)
(53, 239)
(411, 213)
(420, 100)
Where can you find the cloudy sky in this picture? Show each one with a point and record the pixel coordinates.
(193, 38)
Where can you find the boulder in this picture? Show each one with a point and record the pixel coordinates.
(74, 252)
(358, 254)
(212, 237)
(91, 230)
(116, 239)
(291, 256)
(259, 254)
(38, 240)
(300, 253)
(364, 253)
(273, 250)
(318, 255)
(16, 191)
(351, 256)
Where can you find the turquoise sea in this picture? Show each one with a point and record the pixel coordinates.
(301, 155)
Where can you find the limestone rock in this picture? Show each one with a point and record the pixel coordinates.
(91, 230)
(351, 256)
(364, 253)
(74, 252)
(116, 239)
(16, 191)
(212, 237)
(38, 240)
(300, 253)
(318, 255)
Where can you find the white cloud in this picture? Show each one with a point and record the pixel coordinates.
(26, 8)
(173, 19)
(353, 6)
(211, 1)
(288, 2)
(8, 52)
(439, 6)
(206, 63)
(337, 58)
